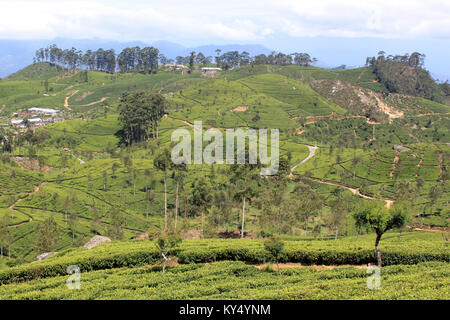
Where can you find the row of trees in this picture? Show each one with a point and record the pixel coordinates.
(222, 204)
(414, 60)
(282, 209)
(147, 59)
(235, 59)
(134, 59)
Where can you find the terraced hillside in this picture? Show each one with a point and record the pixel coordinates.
(338, 134)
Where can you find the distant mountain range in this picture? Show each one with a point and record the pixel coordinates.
(17, 54)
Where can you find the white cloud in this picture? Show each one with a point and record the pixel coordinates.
(232, 20)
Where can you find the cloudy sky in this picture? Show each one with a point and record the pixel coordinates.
(278, 24)
(199, 21)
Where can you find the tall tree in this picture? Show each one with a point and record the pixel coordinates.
(47, 235)
(309, 202)
(5, 235)
(115, 230)
(202, 196)
(244, 176)
(179, 175)
(73, 223)
(162, 162)
(338, 214)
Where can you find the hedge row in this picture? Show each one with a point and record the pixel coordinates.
(236, 280)
(138, 253)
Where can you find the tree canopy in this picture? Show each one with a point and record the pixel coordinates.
(140, 113)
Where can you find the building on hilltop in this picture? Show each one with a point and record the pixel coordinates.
(43, 111)
(211, 69)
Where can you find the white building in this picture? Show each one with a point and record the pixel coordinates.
(211, 69)
(44, 111)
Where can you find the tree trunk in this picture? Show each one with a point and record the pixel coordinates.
(203, 220)
(176, 206)
(165, 262)
(243, 217)
(377, 249)
(147, 202)
(278, 267)
(336, 233)
(165, 202)
(306, 227)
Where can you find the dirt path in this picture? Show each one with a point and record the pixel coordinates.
(81, 161)
(316, 267)
(66, 101)
(431, 114)
(419, 164)
(313, 119)
(362, 72)
(355, 191)
(312, 152)
(92, 103)
(20, 224)
(11, 207)
(36, 189)
(434, 229)
(394, 165)
(184, 121)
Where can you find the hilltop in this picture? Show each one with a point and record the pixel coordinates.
(36, 71)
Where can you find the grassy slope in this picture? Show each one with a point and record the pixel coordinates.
(264, 90)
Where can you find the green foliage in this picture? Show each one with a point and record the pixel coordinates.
(236, 280)
(406, 75)
(274, 246)
(415, 247)
(378, 218)
(36, 71)
(47, 235)
(165, 242)
(140, 114)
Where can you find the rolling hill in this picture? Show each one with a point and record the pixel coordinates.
(342, 133)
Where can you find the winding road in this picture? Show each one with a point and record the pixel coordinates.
(312, 152)
(355, 191)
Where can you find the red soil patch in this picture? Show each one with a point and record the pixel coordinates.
(240, 109)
